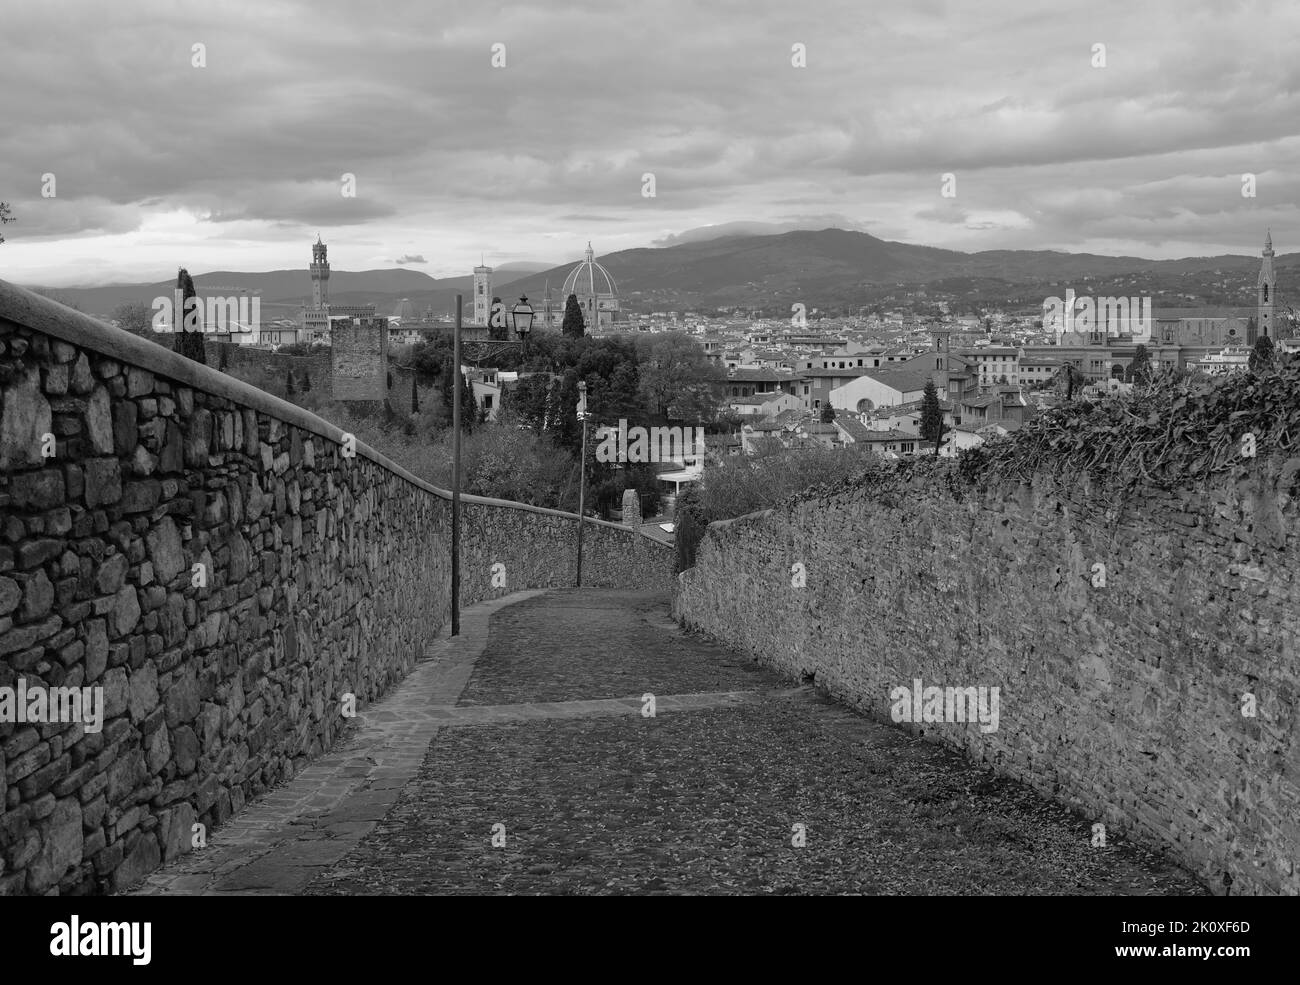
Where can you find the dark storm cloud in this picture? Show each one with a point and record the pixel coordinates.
(530, 159)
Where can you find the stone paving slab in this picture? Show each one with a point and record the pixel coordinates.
(279, 842)
(578, 644)
(708, 803)
(497, 714)
(705, 802)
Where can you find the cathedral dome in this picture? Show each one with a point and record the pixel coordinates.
(589, 279)
(405, 311)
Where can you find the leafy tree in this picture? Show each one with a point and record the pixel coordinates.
(5, 216)
(931, 415)
(610, 367)
(189, 343)
(431, 356)
(1139, 370)
(573, 326)
(562, 411)
(1263, 355)
(678, 379)
(135, 318)
(527, 402)
(828, 413)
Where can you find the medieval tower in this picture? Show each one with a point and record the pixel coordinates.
(482, 294)
(320, 276)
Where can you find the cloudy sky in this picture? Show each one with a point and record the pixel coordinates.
(238, 164)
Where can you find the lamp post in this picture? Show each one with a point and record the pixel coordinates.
(582, 471)
(455, 472)
(523, 319)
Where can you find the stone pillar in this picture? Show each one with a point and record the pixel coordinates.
(631, 508)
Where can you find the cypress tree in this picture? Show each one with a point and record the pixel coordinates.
(415, 397)
(188, 343)
(468, 408)
(931, 415)
(1139, 370)
(573, 326)
(289, 387)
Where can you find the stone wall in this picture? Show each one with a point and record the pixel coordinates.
(359, 358)
(314, 368)
(1122, 688)
(215, 561)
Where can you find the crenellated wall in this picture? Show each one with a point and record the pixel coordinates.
(218, 563)
(1145, 647)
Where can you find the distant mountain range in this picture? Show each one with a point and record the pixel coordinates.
(284, 291)
(829, 269)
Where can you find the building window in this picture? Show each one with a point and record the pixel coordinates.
(487, 401)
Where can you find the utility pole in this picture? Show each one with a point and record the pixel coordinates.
(582, 472)
(455, 472)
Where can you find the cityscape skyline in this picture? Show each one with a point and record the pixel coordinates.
(770, 119)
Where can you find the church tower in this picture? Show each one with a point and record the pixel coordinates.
(482, 293)
(1266, 290)
(320, 275)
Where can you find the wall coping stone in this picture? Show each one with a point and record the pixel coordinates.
(34, 311)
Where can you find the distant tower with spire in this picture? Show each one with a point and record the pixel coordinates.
(1266, 291)
(320, 275)
(482, 293)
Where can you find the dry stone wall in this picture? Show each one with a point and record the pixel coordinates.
(1126, 691)
(313, 369)
(215, 561)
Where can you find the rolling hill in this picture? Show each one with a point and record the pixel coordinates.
(828, 268)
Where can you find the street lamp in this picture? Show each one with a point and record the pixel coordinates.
(523, 318)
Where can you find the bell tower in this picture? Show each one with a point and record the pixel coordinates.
(320, 275)
(482, 293)
(1266, 290)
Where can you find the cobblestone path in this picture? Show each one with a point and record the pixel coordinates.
(543, 776)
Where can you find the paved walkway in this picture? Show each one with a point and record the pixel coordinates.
(519, 758)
